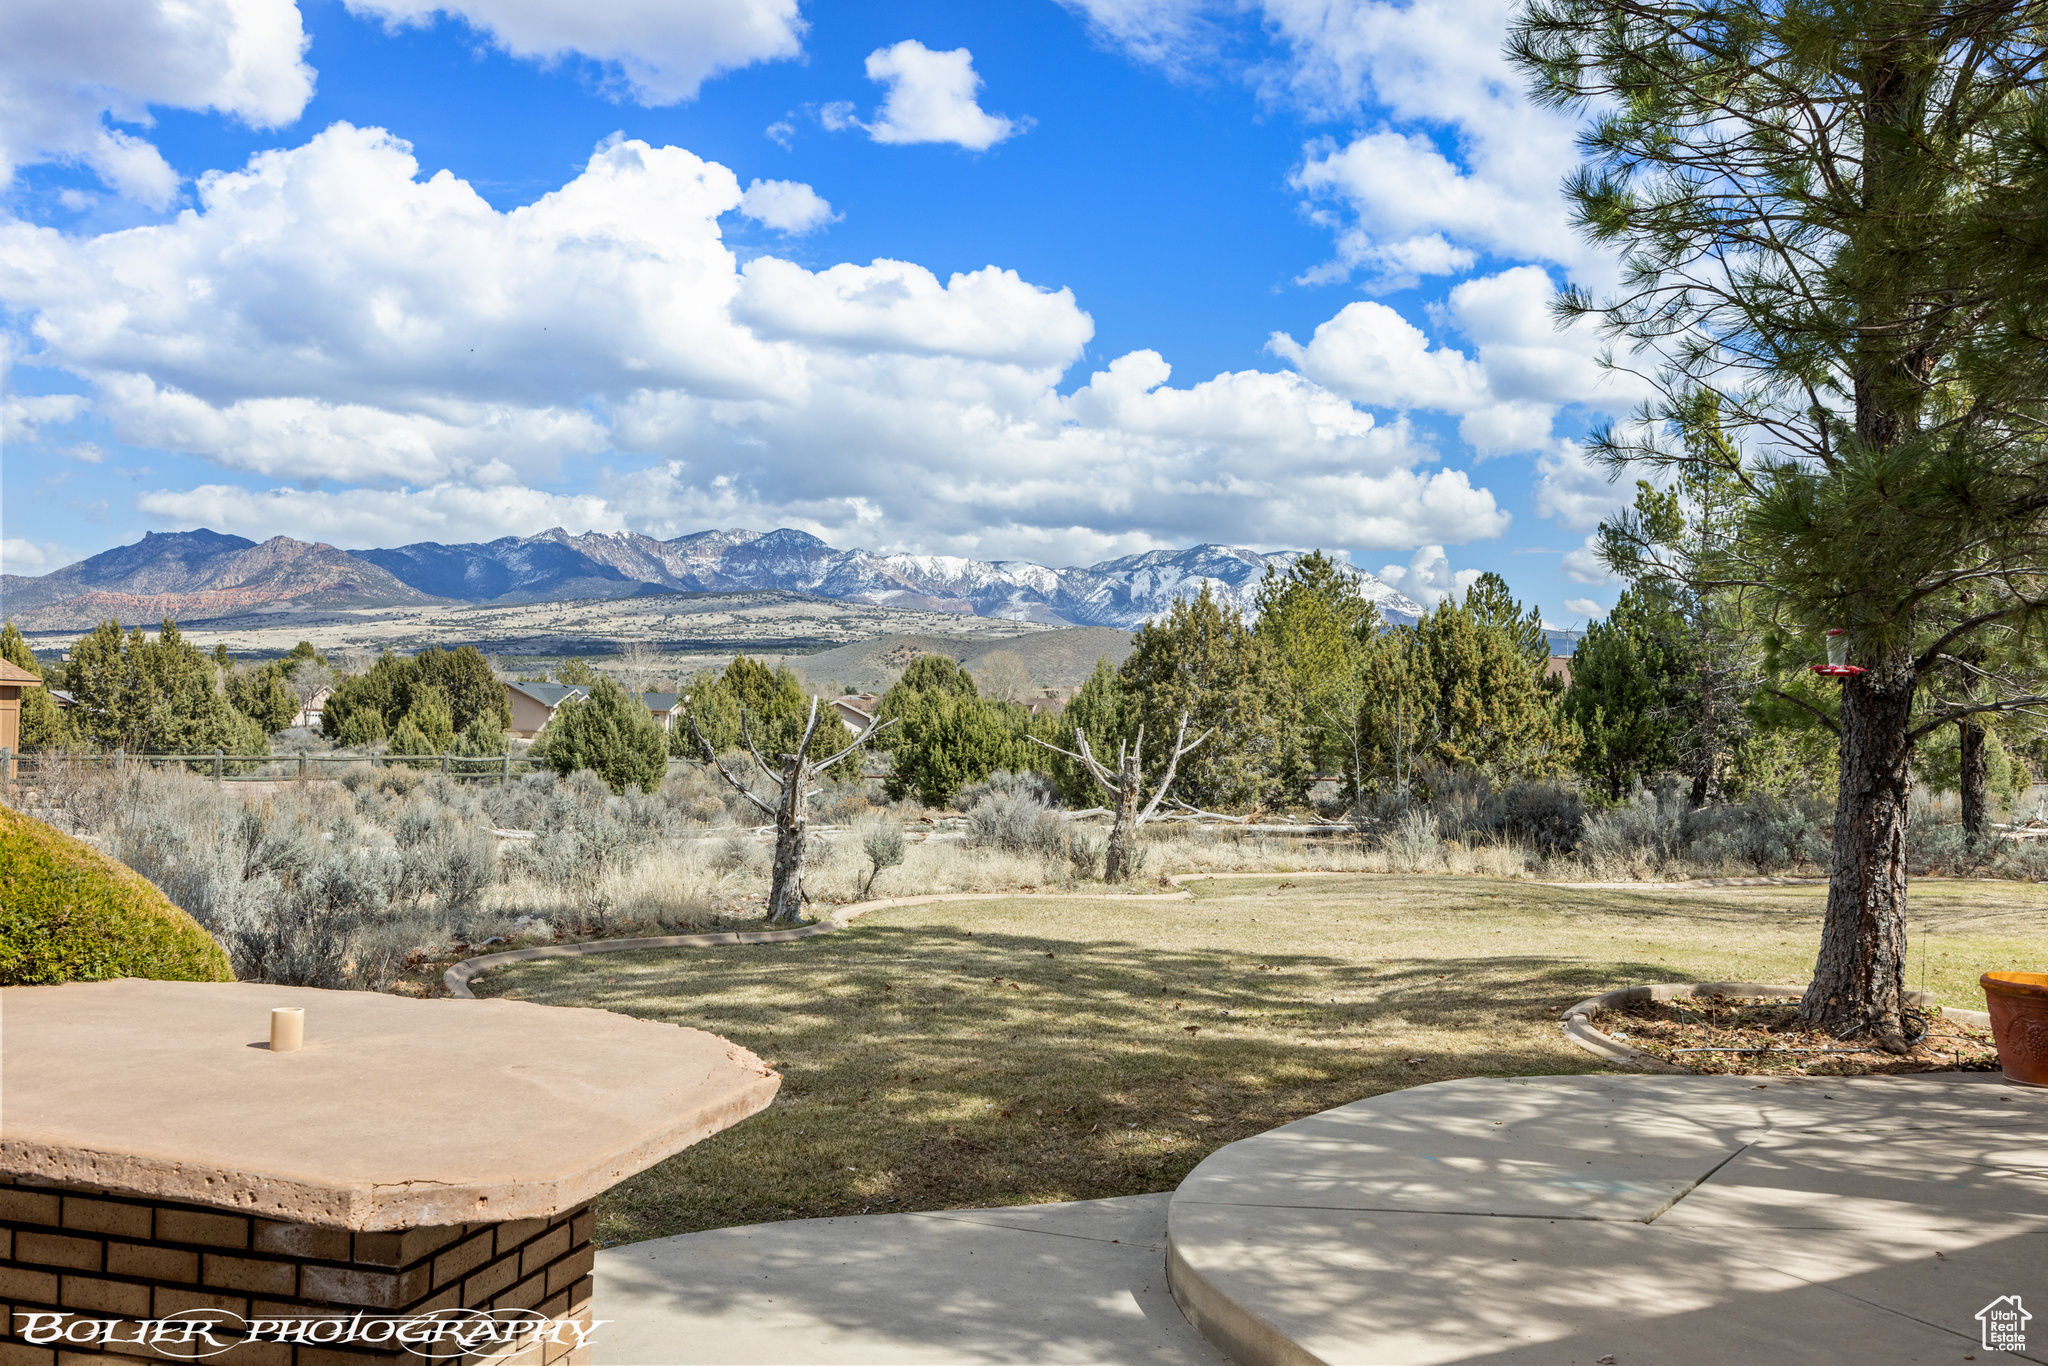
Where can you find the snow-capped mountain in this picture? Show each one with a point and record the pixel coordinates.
(1123, 593)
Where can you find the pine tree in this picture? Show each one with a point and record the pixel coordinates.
(1320, 626)
(1631, 694)
(947, 734)
(610, 733)
(1829, 223)
(1204, 662)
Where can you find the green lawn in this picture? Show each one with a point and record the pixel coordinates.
(1017, 1051)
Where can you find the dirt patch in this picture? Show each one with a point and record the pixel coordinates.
(1752, 1036)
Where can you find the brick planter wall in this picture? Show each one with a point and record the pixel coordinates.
(87, 1254)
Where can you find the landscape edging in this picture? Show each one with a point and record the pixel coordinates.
(1578, 1021)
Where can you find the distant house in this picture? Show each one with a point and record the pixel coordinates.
(309, 715)
(1053, 700)
(14, 682)
(666, 707)
(857, 709)
(533, 705)
(1560, 667)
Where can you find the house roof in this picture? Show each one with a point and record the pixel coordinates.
(549, 695)
(661, 701)
(11, 672)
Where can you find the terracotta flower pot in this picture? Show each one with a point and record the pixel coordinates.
(2019, 1023)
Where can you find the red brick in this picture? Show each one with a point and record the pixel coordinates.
(6, 1243)
(203, 1227)
(37, 1287)
(29, 1207)
(580, 1293)
(489, 1281)
(583, 1227)
(173, 1299)
(252, 1274)
(356, 1286)
(302, 1240)
(544, 1249)
(105, 1297)
(465, 1257)
(554, 1306)
(518, 1231)
(152, 1262)
(21, 1354)
(106, 1216)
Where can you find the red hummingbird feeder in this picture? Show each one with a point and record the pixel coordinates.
(1838, 665)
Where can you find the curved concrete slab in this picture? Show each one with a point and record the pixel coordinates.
(1632, 1218)
(1083, 1282)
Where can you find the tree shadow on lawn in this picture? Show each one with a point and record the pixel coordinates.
(927, 1067)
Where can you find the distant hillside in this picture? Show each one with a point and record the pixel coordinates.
(202, 574)
(1122, 593)
(197, 574)
(1054, 659)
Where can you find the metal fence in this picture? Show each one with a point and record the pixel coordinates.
(268, 768)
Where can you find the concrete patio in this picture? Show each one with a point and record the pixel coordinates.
(1538, 1220)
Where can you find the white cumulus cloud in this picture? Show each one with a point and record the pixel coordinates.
(1428, 577)
(407, 362)
(19, 555)
(69, 66)
(787, 206)
(1575, 491)
(661, 51)
(1584, 607)
(23, 416)
(932, 97)
(364, 518)
(1507, 393)
(1452, 160)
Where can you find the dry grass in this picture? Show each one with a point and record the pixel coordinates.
(1036, 1049)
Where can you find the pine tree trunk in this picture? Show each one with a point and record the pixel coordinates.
(786, 891)
(1703, 773)
(1976, 813)
(1859, 979)
(1123, 832)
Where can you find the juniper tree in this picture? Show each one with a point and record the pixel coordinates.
(1321, 627)
(1831, 220)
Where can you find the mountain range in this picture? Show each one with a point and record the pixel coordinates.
(200, 574)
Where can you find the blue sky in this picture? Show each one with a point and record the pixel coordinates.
(1024, 280)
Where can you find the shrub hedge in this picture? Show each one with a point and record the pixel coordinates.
(69, 913)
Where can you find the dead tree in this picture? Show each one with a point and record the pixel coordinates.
(793, 791)
(1125, 786)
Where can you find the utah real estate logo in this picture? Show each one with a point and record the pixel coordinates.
(2005, 1324)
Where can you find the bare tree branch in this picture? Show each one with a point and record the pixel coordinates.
(712, 755)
